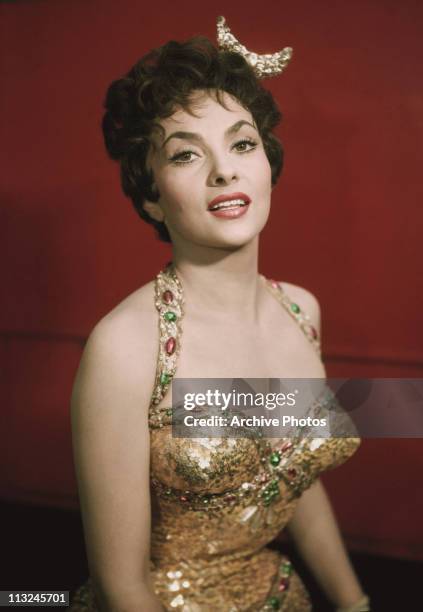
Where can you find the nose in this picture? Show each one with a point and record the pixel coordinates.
(223, 172)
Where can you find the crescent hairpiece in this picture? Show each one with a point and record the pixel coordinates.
(263, 65)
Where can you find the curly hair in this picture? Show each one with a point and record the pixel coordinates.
(164, 80)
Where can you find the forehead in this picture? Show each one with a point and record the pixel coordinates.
(205, 110)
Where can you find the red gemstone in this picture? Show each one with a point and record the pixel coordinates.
(292, 472)
(170, 345)
(274, 283)
(286, 446)
(183, 498)
(167, 296)
(283, 584)
(230, 497)
(313, 332)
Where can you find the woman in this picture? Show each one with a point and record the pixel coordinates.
(177, 523)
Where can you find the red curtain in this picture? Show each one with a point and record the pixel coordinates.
(346, 218)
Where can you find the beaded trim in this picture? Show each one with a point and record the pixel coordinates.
(302, 318)
(277, 594)
(169, 302)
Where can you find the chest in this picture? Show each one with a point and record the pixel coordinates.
(278, 349)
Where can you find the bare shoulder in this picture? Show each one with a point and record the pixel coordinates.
(306, 300)
(119, 358)
(132, 320)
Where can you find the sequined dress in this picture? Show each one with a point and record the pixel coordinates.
(219, 501)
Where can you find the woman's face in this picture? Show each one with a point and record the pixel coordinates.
(218, 152)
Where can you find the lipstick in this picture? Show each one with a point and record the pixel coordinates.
(229, 205)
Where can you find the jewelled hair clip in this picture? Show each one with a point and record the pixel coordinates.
(263, 65)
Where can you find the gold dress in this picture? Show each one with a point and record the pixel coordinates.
(217, 502)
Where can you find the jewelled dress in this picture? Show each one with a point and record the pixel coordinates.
(217, 502)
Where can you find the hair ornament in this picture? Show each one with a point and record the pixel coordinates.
(264, 66)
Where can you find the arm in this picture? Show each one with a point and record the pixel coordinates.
(317, 537)
(109, 410)
(314, 528)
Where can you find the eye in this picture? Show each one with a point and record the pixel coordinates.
(184, 157)
(245, 145)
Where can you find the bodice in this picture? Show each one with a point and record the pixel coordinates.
(221, 500)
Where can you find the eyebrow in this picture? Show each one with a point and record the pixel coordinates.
(197, 137)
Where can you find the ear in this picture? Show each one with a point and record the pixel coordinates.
(154, 210)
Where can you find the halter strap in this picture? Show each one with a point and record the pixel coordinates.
(302, 318)
(169, 302)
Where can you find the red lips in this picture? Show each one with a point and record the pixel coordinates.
(229, 196)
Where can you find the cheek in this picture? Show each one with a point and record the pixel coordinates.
(264, 172)
(262, 161)
(173, 194)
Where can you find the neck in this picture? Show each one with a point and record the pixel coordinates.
(221, 285)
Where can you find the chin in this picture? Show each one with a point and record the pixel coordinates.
(227, 235)
(236, 238)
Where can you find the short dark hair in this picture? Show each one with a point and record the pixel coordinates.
(163, 80)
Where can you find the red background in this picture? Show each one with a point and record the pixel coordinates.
(346, 219)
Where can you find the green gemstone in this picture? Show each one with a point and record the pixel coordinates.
(164, 378)
(169, 412)
(274, 603)
(275, 458)
(287, 568)
(295, 308)
(271, 496)
(170, 316)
